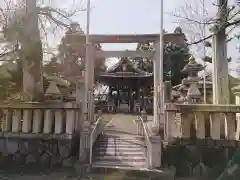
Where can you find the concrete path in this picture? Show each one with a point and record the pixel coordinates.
(122, 124)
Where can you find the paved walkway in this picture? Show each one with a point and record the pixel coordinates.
(122, 124)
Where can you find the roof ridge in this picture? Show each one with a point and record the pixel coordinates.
(137, 69)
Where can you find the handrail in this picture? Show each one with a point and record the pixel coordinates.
(147, 142)
(94, 134)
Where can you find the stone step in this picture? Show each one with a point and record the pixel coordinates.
(131, 140)
(119, 135)
(120, 165)
(104, 139)
(118, 139)
(120, 158)
(129, 173)
(119, 153)
(107, 163)
(114, 148)
(119, 143)
(118, 146)
(119, 150)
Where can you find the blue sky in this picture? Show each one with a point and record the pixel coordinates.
(137, 16)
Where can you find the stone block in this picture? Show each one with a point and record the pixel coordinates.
(156, 151)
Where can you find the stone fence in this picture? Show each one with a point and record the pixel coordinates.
(203, 122)
(39, 133)
(39, 119)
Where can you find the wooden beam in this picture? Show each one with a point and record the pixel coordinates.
(127, 38)
(131, 54)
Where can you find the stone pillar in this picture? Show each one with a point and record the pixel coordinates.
(144, 115)
(37, 121)
(89, 82)
(155, 138)
(167, 91)
(156, 75)
(85, 143)
(156, 151)
(236, 92)
(80, 92)
(99, 114)
(192, 69)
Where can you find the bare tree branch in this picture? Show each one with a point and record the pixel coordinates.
(234, 23)
(192, 18)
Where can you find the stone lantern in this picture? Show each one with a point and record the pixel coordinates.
(192, 69)
(53, 93)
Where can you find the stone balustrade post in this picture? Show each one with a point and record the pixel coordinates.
(6, 120)
(27, 121)
(156, 146)
(37, 120)
(58, 124)
(85, 140)
(236, 92)
(99, 114)
(139, 127)
(144, 115)
(16, 123)
(167, 91)
(156, 149)
(48, 121)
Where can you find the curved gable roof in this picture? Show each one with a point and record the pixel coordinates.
(127, 62)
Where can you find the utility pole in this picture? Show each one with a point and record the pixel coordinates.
(161, 87)
(204, 54)
(158, 99)
(220, 80)
(88, 94)
(89, 73)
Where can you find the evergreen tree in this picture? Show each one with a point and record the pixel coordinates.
(175, 58)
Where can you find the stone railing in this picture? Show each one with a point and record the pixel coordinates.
(202, 121)
(46, 120)
(98, 128)
(142, 130)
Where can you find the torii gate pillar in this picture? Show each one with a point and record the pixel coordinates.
(89, 82)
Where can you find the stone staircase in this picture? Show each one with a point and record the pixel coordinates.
(119, 151)
(123, 156)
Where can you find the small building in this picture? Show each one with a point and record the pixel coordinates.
(128, 85)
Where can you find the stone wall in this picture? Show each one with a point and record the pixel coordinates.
(38, 152)
(42, 135)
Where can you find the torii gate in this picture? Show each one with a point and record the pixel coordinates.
(80, 39)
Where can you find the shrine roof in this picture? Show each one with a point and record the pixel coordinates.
(125, 68)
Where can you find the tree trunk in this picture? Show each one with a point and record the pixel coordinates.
(32, 55)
